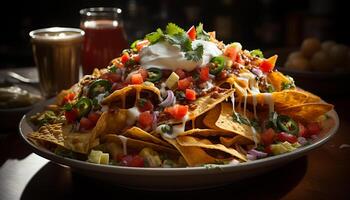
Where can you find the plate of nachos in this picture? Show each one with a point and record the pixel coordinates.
(178, 110)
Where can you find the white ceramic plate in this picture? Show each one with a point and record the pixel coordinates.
(174, 178)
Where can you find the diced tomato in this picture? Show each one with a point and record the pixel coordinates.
(111, 77)
(71, 116)
(132, 161)
(204, 73)
(141, 44)
(146, 119)
(231, 52)
(267, 65)
(144, 73)
(86, 123)
(177, 111)
(267, 137)
(136, 57)
(146, 105)
(136, 79)
(93, 117)
(192, 33)
(313, 128)
(190, 94)
(125, 57)
(282, 136)
(302, 131)
(181, 73)
(268, 149)
(222, 75)
(68, 98)
(185, 83)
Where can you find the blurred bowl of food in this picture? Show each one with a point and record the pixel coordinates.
(321, 67)
(16, 100)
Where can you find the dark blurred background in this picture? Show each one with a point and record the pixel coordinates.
(264, 24)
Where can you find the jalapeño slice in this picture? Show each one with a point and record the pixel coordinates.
(287, 124)
(218, 65)
(83, 106)
(98, 87)
(154, 75)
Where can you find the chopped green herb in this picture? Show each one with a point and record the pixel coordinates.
(180, 39)
(195, 54)
(112, 69)
(240, 119)
(201, 34)
(166, 129)
(173, 29)
(257, 53)
(141, 102)
(68, 107)
(254, 123)
(272, 123)
(288, 85)
(270, 88)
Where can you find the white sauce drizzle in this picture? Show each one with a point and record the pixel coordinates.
(133, 115)
(268, 100)
(178, 129)
(254, 105)
(124, 140)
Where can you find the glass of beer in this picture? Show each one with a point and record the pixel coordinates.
(104, 37)
(57, 55)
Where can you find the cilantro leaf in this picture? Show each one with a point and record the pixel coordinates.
(154, 37)
(240, 119)
(173, 29)
(288, 85)
(201, 34)
(257, 53)
(195, 54)
(180, 39)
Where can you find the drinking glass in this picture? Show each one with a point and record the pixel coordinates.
(57, 55)
(105, 37)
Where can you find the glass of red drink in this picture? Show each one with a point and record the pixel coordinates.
(104, 39)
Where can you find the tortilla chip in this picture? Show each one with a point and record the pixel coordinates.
(207, 132)
(226, 123)
(135, 144)
(207, 144)
(110, 122)
(238, 139)
(202, 105)
(50, 133)
(308, 112)
(212, 117)
(77, 141)
(120, 94)
(137, 133)
(194, 156)
(276, 79)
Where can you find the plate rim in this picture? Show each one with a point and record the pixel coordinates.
(227, 168)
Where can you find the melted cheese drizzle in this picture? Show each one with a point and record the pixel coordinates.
(178, 129)
(268, 100)
(124, 140)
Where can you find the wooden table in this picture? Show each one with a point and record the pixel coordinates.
(323, 174)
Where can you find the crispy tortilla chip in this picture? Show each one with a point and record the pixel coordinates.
(137, 133)
(50, 133)
(207, 132)
(226, 123)
(276, 79)
(194, 156)
(212, 117)
(135, 144)
(307, 112)
(207, 144)
(110, 122)
(238, 139)
(120, 94)
(77, 141)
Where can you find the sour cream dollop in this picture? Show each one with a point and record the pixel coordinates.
(163, 55)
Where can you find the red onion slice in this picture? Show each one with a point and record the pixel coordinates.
(170, 99)
(256, 153)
